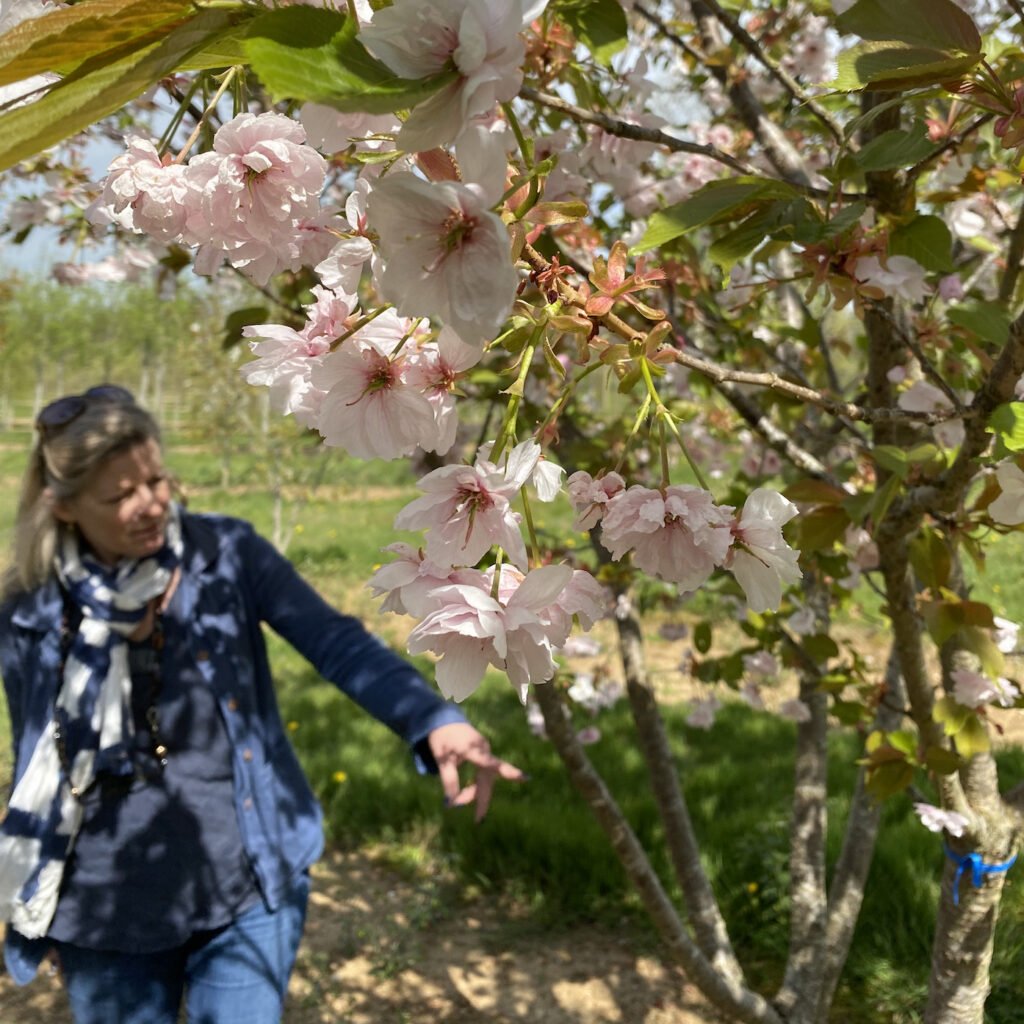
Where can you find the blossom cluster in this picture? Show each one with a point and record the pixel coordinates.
(507, 616)
(679, 534)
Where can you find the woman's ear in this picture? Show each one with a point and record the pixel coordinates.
(59, 509)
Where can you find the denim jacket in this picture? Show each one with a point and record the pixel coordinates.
(233, 580)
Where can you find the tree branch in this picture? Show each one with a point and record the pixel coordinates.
(781, 153)
(701, 906)
(850, 875)
(628, 130)
(787, 81)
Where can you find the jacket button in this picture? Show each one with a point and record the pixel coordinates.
(247, 754)
(247, 803)
(232, 704)
(202, 655)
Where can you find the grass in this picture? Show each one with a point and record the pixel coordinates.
(540, 848)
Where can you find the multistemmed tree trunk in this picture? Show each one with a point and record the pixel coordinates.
(729, 995)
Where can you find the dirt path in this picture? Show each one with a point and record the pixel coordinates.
(383, 949)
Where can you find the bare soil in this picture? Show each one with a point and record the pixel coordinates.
(383, 948)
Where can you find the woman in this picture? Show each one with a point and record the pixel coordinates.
(160, 830)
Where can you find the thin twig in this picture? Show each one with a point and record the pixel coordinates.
(628, 130)
(953, 143)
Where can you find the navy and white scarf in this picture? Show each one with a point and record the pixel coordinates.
(93, 708)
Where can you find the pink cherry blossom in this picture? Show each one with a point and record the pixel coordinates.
(589, 496)
(144, 193)
(332, 130)
(479, 38)
(900, 276)
(581, 647)
(250, 192)
(702, 713)
(751, 694)
(795, 711)
(679, 535)
(761, 665)
(973, 690)
(435, 367)
(1005, 634)
(371, 407)
(1008, 508)
(583, 598)
(935, 819)
(761, 560)
(445, 253)
(588, 735)
(284, 363)
(467, 509)
(408, 583)
(471, 630)
(922, 396)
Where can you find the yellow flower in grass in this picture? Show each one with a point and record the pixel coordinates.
(340, 776)
(751, 887)
(293, 726)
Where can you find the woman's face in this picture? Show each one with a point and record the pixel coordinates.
(122, 512)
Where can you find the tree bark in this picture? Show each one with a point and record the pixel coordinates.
(727, 995)
(702, 908)
(799, 994)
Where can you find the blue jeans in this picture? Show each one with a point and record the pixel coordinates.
(233, 975)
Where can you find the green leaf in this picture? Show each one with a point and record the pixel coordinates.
(977, 638)
(892, 458)
(1008, 422)
(817, 491)
(904, 741)
(702, 636)
(820, 647)
(989, 321)
(746, 237)
(567, 212)
(600, 25)
(972, 739)
(886, 66)
(925, 239)
(931, 558)
(889, 779)
(950, 715)
(884, 497)
(942, 761)
(239, 318)
(897, 148)
(716, 201)
(313, 54)
(64, 38)
(931, 23)
(972, 620)
(820, 528)
(98, 88)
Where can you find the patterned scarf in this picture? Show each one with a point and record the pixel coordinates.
(92, 725)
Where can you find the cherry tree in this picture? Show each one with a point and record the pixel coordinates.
(635, 248)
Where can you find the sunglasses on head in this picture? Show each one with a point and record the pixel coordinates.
(62, 411)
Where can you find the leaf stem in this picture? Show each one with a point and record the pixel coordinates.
(359, 325)
(211, 106)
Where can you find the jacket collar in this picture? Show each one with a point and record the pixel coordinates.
(41, 609)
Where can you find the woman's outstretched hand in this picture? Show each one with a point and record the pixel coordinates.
(459, 743)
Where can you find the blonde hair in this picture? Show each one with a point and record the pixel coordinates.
(64, 461)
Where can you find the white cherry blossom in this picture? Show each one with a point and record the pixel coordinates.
(761, 560)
